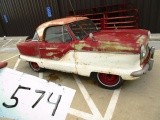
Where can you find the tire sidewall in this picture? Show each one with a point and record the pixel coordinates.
(36, 70)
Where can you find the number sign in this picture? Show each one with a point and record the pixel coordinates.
(25, 97)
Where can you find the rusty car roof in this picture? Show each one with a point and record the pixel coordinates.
(61, 21)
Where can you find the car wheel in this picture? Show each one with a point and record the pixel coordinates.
(109, 81)
(35, 67)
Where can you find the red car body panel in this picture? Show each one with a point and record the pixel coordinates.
(104, 41)
(54, 50)
(29, 48)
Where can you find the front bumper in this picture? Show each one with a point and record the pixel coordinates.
(147, 67)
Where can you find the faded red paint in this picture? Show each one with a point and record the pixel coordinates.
(54, 50)
(3, 64)
(29, 48)
(103, 41)
(120, 40)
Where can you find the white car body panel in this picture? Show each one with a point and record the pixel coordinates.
(84, 63)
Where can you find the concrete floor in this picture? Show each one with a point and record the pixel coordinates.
(136, 100)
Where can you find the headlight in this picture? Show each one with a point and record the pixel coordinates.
(143, 51)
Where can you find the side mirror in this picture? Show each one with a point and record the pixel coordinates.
(91, 36)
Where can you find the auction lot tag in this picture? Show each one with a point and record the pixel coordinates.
(25, 97)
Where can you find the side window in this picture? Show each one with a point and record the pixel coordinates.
(54, 34)
(35, 37)
(66, 35)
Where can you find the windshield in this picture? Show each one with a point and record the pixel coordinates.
(83, 28)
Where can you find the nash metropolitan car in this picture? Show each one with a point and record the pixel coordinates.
(76, 45)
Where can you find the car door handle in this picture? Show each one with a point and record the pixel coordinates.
(51, 48)
(47, 48)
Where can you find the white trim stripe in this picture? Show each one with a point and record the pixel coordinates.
(83, 115)
(19, 41)
(7, 42)
(111, 107)
(10, 58)
(88, 99)
(41, 75)
(17, 63)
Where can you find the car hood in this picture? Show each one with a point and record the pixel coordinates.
(121, 40)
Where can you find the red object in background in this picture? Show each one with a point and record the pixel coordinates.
(116, 16)
(3, 64)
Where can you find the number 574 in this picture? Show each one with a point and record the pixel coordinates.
(39, 99)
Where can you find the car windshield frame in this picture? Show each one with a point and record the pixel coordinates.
(82, 28)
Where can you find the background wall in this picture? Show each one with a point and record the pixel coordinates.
(22, 17)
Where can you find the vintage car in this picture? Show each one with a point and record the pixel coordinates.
(76, 45)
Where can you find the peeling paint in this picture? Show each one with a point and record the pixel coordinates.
(95, 49)
(80, 46)
(49, 54)
(137, 49)
(111, 46)
(141, 39)
(117, 40)
(137, 36)
(105, 45)
(124, 48)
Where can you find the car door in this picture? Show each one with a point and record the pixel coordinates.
(85, 46)
(57, 50)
